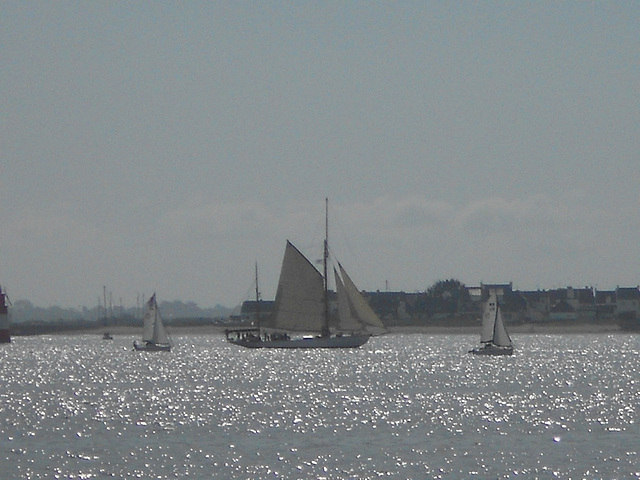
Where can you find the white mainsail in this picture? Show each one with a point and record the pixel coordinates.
(149, 319)
(489, 318)
(299, 303)
(359, 309)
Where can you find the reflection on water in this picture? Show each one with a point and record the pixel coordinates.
(405, 406)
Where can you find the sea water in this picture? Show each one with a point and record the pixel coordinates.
(402, 406)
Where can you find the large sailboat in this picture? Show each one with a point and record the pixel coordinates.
(5, 335)
(494, 335)
(155, 337)
(302, 317)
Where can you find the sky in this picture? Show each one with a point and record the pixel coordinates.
(169, 146)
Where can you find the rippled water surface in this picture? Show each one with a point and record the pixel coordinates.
(403, 406)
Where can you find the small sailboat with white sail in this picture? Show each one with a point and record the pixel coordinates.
(302, 317)
(155, 337)
(494, 335)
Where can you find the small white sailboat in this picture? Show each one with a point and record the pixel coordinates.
(155, 337)
(302, 308)
(494, 335)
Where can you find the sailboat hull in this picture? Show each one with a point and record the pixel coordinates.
(492, 350)
(151, 347)
(346, 341)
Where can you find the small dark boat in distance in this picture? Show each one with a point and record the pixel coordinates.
(5, 334)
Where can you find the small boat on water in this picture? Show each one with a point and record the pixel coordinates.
(5, 335)
(494, 335)
(301, 317)
(105, 320)
(155, 337)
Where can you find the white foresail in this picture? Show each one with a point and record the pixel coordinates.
(359, 308)
(500, 335)
(149, 319)
(347, 321)
(299, 303)
(160, 335)
(489, 318)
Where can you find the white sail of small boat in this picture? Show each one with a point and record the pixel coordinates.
(302, 306)
(154, 335)
(493, 335)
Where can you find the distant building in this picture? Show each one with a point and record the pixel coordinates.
(251, 309)
(562, 311)
(501, 290)
(475, 294)
(605, 303)
(583, 301)
(537, 305)
(628, 301)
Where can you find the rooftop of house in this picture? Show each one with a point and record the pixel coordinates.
(628, 293)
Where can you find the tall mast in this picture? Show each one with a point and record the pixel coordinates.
(104, 296)
(325, 326)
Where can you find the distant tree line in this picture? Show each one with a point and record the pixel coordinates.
(446, 303)
(23, 311)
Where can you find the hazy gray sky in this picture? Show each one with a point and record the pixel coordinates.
(167, 146)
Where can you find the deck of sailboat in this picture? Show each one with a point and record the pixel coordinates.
(492, 350)
(344, 341)
(151, 347)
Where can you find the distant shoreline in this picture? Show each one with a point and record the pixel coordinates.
(529, 328)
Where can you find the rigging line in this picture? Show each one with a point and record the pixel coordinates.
(344, 239)
(249, 291)
(316, 238)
